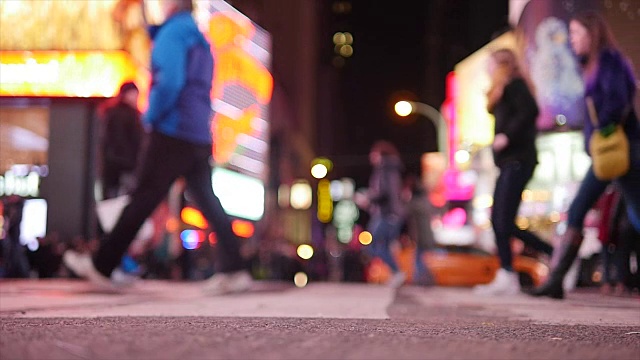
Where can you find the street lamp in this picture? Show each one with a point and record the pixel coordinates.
(405, 108)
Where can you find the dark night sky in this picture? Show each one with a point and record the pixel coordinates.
(391, 55)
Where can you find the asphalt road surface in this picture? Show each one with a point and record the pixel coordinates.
(63, 320)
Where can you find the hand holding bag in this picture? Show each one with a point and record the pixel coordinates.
(609, 149)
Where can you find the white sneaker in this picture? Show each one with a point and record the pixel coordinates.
(228, 283)
(504, 283)
(397, 280)
(122, 279)
(82, 266)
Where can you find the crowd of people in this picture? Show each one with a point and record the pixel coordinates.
(180, 141)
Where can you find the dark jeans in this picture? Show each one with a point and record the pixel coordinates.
(592, 188)
(384, 229)
(167, 159)
(506, 201)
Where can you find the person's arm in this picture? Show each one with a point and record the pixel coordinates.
(169, 60)
(613, 88)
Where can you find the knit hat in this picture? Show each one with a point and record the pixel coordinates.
(129, 85)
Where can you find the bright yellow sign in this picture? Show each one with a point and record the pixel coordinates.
(65, 73)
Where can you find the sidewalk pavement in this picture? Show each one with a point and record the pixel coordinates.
(64, 298)
(62, 319)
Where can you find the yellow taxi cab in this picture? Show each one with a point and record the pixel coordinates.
(459, 266)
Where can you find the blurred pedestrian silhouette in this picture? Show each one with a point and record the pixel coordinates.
(619, 240)
(514, 152)
(179, 116)
(418, 221)
(14, 262)
(610, 83)
(383, 202)
(121, 142)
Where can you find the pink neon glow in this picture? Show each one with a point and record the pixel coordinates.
(453, 189)
(455, 218)
(452, 96)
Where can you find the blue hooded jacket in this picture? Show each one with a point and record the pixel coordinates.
(182, 71)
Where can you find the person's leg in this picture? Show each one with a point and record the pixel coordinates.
(382, 232)
(166, 159)
(507, 196)
(629, 186)
(199, 185)
(533, 241)
(506, 201)
(590, 190)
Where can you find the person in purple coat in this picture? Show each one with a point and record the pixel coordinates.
(611, 84)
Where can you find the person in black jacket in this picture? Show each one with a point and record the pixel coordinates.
(514, 151)
(121, 143)
(383, 202)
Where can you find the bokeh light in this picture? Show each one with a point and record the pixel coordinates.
(483, 201)
(301, 195)
(403, 108)
(305, 251)
(300, 279)
(319, 171)
(190, 239)
(365, 238)
(462, 156)
(455, 217)
(346, 50)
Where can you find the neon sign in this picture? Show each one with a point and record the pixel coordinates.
(64, 73)
(241, 92)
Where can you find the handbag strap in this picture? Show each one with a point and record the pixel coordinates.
(593, 114)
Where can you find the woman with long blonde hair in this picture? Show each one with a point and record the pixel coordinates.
(511, 102)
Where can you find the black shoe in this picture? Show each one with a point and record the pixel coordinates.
(570, 245)
(552, 289)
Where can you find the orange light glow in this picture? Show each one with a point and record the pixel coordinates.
(235, 68)
(65, 73)
(242, 228)
(193, 217)
(172, 225)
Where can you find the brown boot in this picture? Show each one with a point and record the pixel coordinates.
(571, 241)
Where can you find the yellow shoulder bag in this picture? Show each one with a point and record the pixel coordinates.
(609, 149)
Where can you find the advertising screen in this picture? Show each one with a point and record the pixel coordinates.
(242, 88)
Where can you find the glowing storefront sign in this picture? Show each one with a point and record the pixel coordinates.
(239, 194)
(474, 123)
(64, 73)
(242, 88)
(241, 93)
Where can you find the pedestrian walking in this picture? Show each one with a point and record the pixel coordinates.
(179, 116)
(610, 83)
(515, 154)
(383, 202)
(418, 222)
(121, 142)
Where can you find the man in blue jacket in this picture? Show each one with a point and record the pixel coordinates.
(179, 116)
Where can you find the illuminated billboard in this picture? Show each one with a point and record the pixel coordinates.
(64, 73)
(48, 49)
(241, 93)
(475, 125)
